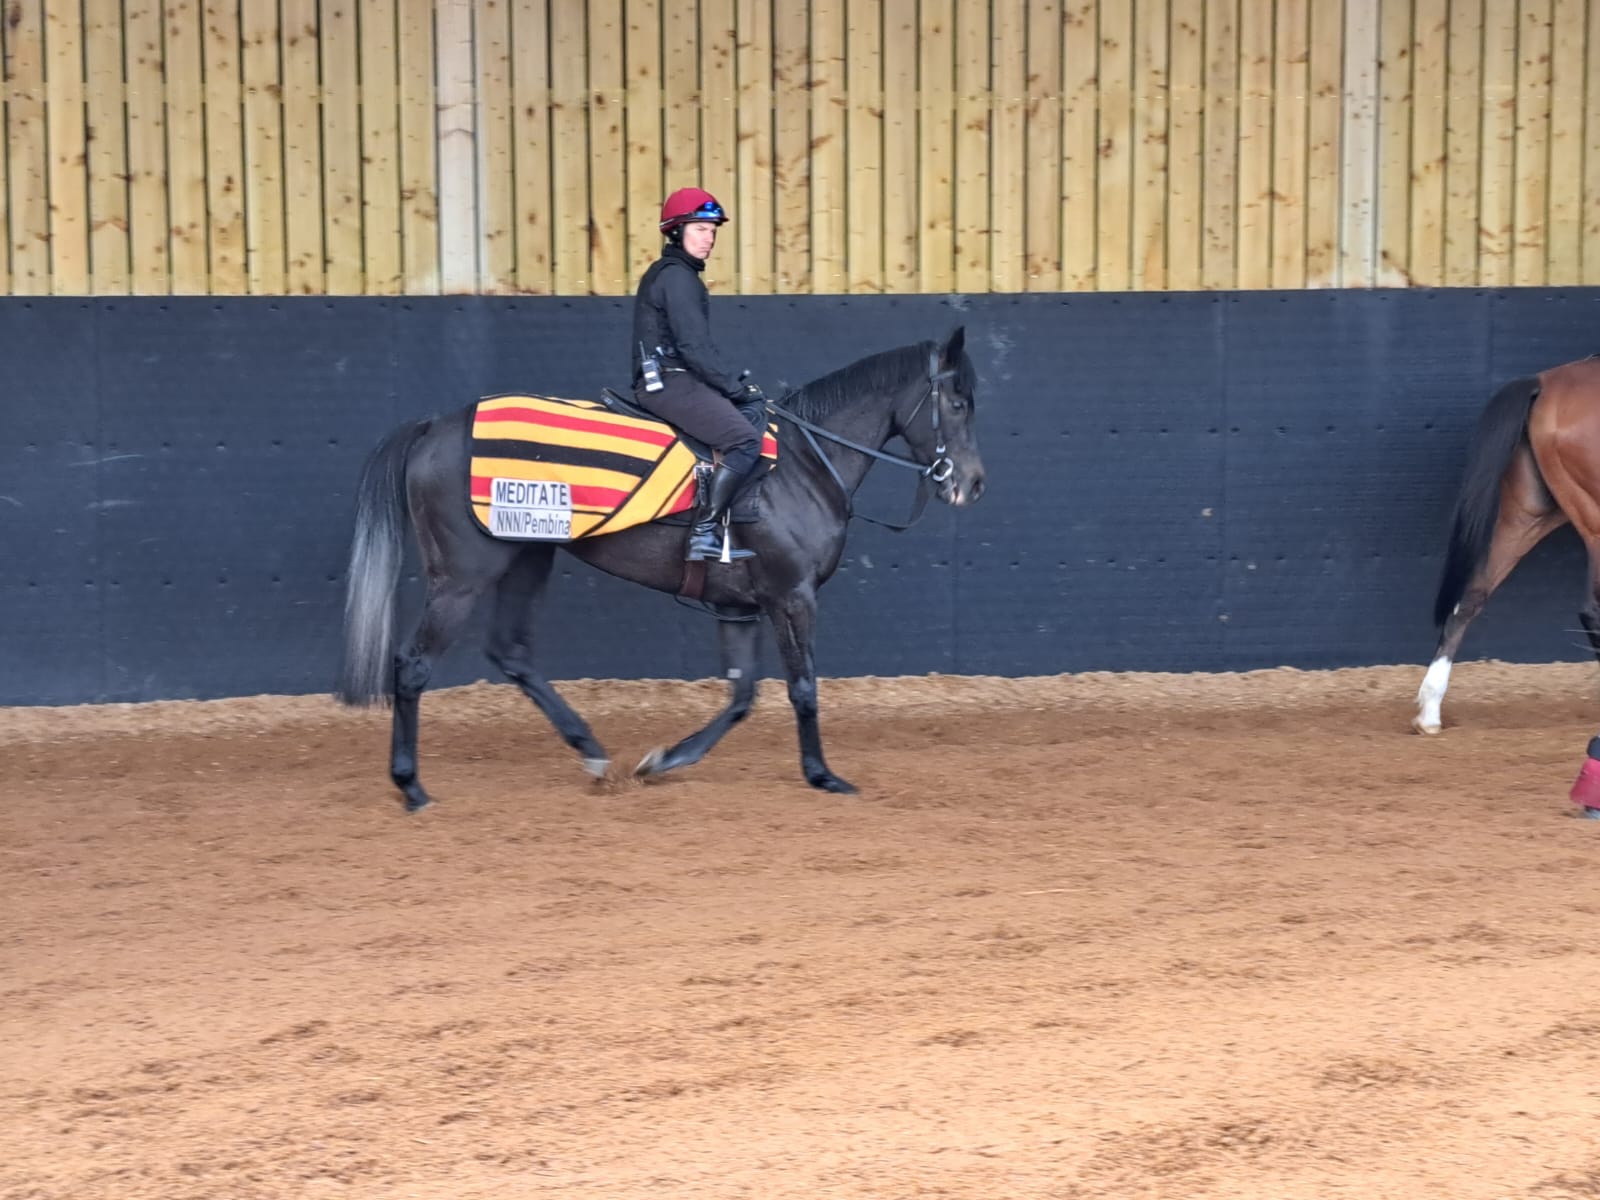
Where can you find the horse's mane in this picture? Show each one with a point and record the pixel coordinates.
(881, 372)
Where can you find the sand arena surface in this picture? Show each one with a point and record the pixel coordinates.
(1093, 936)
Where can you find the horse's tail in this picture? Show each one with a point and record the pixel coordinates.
(376, 551)
(1499, 433)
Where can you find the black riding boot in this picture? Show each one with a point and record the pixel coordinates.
(705, 535)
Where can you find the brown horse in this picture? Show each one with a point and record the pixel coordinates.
(1533, 465)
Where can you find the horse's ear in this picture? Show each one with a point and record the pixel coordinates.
(953, 347)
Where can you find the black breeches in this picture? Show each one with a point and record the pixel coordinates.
(706, 416)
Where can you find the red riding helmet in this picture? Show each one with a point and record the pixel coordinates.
(690, 204)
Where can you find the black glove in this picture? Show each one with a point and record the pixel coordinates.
(751, 402)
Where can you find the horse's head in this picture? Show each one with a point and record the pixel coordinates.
(940, 429)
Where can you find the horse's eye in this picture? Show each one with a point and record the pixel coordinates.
(957, 404)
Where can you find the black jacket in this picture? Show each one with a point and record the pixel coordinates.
(672, 310)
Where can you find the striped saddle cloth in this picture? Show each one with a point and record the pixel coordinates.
(553, 470)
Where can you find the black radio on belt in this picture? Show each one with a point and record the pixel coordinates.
(650, 368)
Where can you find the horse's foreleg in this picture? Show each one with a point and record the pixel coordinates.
(444, 613)
(1516, 532)
(516, 608)
(794, 620)
(739, 641)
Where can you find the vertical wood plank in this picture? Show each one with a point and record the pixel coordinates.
(569, 142)
(754, 219)
(263, 150)
(902, 249)
(419, 199)
(642, 49)
(828, 182)
(936, 161)
(458, 151)
(1323, 145)
(973, 168)
(224, 148)
(1151, 108)
(1114, 241)
(608, 242)
(1464, 87)
(1498, 151)
(1218, 261)
(302, 147)
(68, 169)
(680, 43)
(26, 148)
(1043, 147)
(1591, 160)
(864, 145)
(1430, 107)
(1290, 119)
(791, 80)
(719, 127)
(1358, 239)
(186, 139)
(1530, 245)
(530, 37)
(1080, 149)
(341, 148)
(380, 149)
(150, 221)
(494, 110)
(1254, 245)
(1567, 142)
(109, 253)
(6, 214)
(341, 142)
(1186, 149)
(1394, 144)
(1006, 180)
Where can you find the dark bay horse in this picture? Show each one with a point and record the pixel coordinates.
(923, 394)
(1533, 465)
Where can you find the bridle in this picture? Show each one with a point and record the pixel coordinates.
(937, 471)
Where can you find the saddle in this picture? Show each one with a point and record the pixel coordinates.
(543, 468)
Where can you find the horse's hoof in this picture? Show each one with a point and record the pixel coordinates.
(650, 764)
(417, 803)
(597, 766)
(832, 783)
(1590, 814)
(1422, 727)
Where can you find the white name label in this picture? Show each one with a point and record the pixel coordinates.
(530, 510)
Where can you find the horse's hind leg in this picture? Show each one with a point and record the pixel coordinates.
(1589, 615)
(448, 606)
(516, 608)
(1519, 528)
(739, 640)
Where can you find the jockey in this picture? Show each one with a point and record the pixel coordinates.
(678, 372)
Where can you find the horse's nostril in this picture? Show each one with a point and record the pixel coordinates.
(977, 487)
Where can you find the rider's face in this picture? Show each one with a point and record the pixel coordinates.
(699, 237)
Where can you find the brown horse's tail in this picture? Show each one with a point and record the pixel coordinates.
(1500, 431)
(376, 551)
